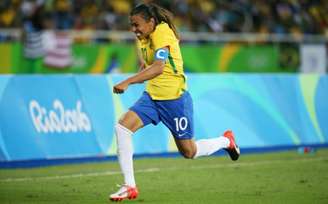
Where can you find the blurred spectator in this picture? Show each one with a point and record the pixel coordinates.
(114, 15)
(64, 18)
(32, 29)
(257, 16)
(9, 17)
(56, 44)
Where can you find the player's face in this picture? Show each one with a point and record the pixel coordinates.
(141, 27)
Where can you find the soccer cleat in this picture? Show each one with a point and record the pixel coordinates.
(125, 192)
(233, 148)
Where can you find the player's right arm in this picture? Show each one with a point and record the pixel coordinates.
(146, 74)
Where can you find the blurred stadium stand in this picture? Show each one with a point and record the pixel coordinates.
(286, 24)
(246, 16)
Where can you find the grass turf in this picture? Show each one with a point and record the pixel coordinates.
(285, 177)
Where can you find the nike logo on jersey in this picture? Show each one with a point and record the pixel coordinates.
(180, 135)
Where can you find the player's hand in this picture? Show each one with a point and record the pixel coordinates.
(120, 87)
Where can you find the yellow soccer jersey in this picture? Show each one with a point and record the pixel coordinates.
(172, 82)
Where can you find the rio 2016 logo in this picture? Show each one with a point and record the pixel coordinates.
(59, 119)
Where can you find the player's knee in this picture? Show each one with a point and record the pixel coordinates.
(121, 130)
(188, 154)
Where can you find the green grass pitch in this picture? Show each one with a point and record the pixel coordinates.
(285, 177)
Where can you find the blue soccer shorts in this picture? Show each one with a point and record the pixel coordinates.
(177, 114)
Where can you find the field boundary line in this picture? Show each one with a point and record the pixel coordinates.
(155, 169)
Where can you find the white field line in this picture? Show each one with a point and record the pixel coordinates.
(215, 166)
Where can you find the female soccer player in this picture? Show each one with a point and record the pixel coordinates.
(165, 99)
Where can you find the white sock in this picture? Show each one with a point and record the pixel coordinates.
(125, 153)
(207, 147)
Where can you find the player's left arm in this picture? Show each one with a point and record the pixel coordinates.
(148, 73)
(142, 63)
(142, 66)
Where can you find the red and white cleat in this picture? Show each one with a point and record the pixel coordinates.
(233, 148)
(125, 192)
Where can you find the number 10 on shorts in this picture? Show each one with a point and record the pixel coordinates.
(181, 123)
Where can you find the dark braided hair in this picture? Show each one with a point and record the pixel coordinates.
(156, 12)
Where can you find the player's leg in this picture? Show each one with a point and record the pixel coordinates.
(142, 113)
(128, 124)
(205, 147)
(177, 115)
(186, 147)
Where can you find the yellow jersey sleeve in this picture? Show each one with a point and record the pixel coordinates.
(163, 36)
(172, 82)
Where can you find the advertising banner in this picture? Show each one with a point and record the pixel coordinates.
(73, 116)
(122, 58)
(55, 117)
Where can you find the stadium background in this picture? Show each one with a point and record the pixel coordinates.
(256, 67)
